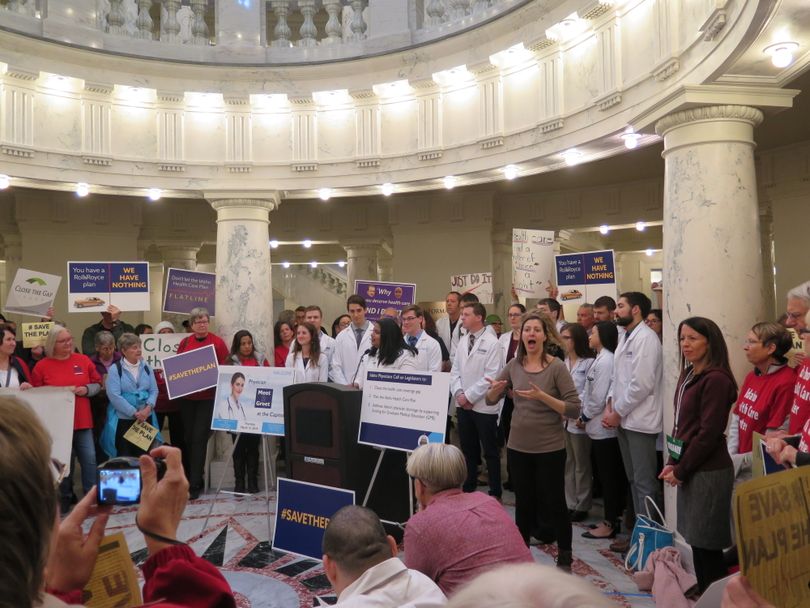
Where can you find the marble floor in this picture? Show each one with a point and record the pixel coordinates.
(236, 539)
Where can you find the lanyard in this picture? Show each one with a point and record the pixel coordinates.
(8, 374)
(679, 397)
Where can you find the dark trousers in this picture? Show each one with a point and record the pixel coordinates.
(709, 566)
(197, 429)
(474, 431)
(539, 482)
(612, 477)
(176, 432)
(122, 446)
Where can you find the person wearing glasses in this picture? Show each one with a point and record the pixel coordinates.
(765, 398)
(655, 321)
(429, 357)
(198, 407)
(64, 367)
(49, 563)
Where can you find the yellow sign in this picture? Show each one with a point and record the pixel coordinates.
(773, 535)
(113, 582)
(141, 434)
(35, 334)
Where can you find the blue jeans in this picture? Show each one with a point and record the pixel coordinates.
(84, 449)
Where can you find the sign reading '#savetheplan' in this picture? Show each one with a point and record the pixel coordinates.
(303, 511)
(189, 372)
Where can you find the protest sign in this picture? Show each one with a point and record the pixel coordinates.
(380, 296)
(156, 347)
(762, 463)
(479, 283)
(189, 372)
(303, 511)
(187, 289)
(32, 293)
(584, 277)
(93, 286)
(141, 434)
(403, 410)
(532, 262)
(251, 399)
(54, 407)
(35, 334)
(773, 535)
(113, 581)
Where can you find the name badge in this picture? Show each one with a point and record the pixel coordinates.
(674, 447)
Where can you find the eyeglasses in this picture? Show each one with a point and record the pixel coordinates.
(200, 322)
(513, 315)
(409, 318)
(59, 471)
(65, 340)
(794, 315)
(750, 342)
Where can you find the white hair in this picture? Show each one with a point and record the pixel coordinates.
(528, 586)
(800, 292)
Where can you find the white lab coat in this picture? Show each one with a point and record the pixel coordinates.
(406, 361)
(578, 374)
(470, 371)
(346, 355)
(429, 358)
(390, 584)
(637, 387)
(308, 372)
(443, 329)
(597, 385)
(327, 347)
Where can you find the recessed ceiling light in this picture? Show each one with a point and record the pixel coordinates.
(450, 182)
(604, 228)
(325, 194)
(510, 171)
(313, 264)
(5, 181)
(387, 189)
(649, 252)
(781, 53)
(274, 244)
(631, 139)
(285, 264)
(307, 244)
(572, 157)
(341, 263)
(154, 194)
(82, 189)
(641, 226)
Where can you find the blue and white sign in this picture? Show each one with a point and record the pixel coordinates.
(303, 511)
(584, 277)
(93, 286)
(403, 410)
(251, 399)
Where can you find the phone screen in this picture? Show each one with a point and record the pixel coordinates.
(119, 486)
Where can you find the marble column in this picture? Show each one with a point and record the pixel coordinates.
(361, 262)
(244, 288)
(177, 255)
(385, 266)
(502, 276)
(712, 242)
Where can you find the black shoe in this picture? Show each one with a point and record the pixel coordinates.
(507, 485)
(579, 516)
(253, 486)
(194, 493)
(565, 560)
(239, 487)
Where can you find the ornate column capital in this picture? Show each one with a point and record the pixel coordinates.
(709, 124)
(250, 206)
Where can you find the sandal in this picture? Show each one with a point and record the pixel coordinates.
(604, 530)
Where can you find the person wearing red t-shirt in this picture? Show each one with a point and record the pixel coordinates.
(63, 367)
(766, 395)
(246, 453)
(284, 336)
(198, 408)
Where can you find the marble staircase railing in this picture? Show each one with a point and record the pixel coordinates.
(331, 279)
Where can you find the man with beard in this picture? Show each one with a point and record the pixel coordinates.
(635, 401)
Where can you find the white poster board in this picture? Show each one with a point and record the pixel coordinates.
(32, 293)
(532, 262)
(479, 283)
(155, 347)
(252, 403)
(403, 410)
(54, 407)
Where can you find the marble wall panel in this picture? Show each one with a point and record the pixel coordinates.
(272, 138)
(638, 45)
(204, 136)
(521, 99)
(398, 129)
(336, 135)
(134, 132)
(57, 122)
(581, 75)
(460, 116)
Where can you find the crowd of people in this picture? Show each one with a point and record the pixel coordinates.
(576, 406)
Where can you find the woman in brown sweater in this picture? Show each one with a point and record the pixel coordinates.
(544, 393)
(699, 463)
